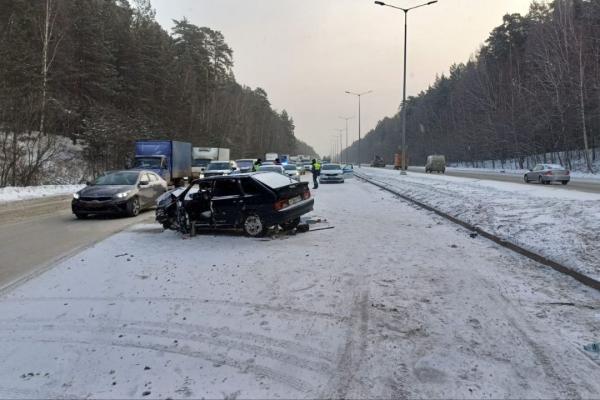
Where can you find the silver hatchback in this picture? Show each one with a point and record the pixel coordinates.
(548, 173)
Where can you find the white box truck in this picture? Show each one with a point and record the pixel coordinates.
(201, 156)
(271, 156)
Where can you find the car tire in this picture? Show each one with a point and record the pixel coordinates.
(525, 179)
(540, 180)
(290, 225)
(81, 216)
(133, 207)
(565, 182)
(254, 226)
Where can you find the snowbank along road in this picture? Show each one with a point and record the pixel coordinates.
(563, 226)
(392, 302)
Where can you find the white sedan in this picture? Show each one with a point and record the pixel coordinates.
(331, 173)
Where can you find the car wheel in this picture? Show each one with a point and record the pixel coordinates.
(254, 226)
(540, 181)
(289, 225)
(564, 182)
(133, 207)
(525, 178)
(81, 216)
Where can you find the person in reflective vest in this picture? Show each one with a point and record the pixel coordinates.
(316, 171)
(256, 165)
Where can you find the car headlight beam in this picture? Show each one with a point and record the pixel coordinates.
(76, 196)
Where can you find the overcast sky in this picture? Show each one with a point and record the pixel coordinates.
(306, 53)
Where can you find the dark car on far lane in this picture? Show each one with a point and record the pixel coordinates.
(252, 202)
(119, 192)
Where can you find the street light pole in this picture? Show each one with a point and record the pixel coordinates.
(406, 10)
(338, 136)
(359, 95)
(346, 119)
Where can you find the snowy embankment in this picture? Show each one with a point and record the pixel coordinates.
(575, 176)
(13, 193)
(563, 225)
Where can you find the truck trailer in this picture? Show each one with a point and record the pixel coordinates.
(202, 156)
(170, 159)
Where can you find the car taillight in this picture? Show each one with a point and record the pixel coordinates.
(306, 195)
(548, 173)
(567, 172)
(281, 204)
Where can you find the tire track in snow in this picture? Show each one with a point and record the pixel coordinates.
(353, 354)
(212, 337)
(176, 300)
(243, 366)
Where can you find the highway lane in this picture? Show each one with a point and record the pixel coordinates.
(36, 233)
(575, 184)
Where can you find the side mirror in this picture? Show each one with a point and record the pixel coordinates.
(144, 183)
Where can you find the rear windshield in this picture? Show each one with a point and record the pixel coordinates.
(218, 166)
(274, 180)
(200, 162)
(273, 168)
(244, 163)
(331, 166)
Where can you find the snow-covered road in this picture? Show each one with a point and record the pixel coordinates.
(392, 302)
(562, 225)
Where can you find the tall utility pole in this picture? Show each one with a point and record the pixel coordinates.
(336, 137)
(346, 119)
(406, 10)
(359, 95)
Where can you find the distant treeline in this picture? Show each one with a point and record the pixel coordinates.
(533, 88)
(104, 73)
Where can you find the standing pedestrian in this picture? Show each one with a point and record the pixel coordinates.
(256, 165)
(316, 171)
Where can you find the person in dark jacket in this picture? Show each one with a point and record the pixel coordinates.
(316, 171)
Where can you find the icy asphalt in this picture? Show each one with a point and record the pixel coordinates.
(392, 302)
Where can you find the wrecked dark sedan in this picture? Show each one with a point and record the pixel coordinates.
(253, 202)
(119, 193)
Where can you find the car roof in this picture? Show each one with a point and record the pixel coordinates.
(242, 175)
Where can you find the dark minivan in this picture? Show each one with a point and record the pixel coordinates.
(252, 202)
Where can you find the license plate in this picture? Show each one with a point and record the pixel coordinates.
(295, 200)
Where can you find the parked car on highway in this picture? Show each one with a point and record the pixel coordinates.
(548, 173)
(217, 168)
(252, 202)
(331, 173)
(272, 168)
(300, 168)
(435, 163)
(291, 171)
(348, 170)
(245, 165)
(378, 162)
(119, 192)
